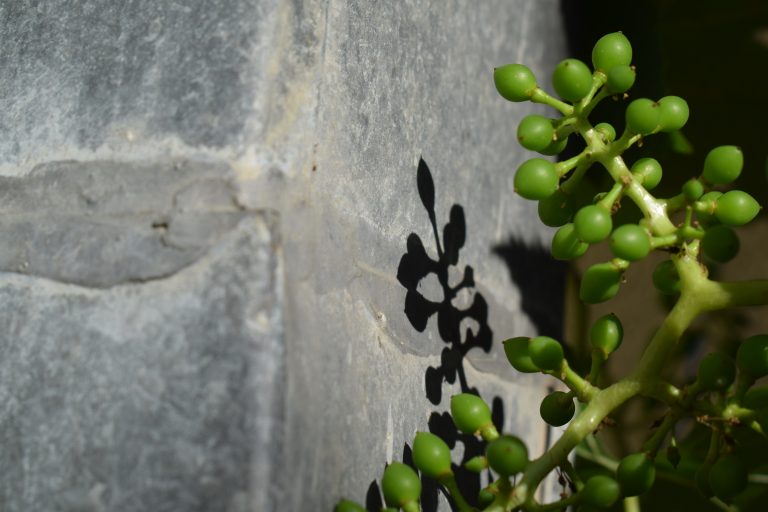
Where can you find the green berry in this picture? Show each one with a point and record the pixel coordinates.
(620, 79)
(607, 131)
(636, 474)
(546, 352)
(535, 132)
(736, 208)
(630, 242)
(706, 206)
(516, 350)
(600, 283)
(485, 497)
(470, 413)
(477, 464)
(400, 485)
(572, 79)
(728, 477)
(592, 224)
(566, 244)
(666, 279)
(674, 113)
(723, 165)
(514, 82)
(643, 116)
(431, 455)
(756, 398)
(606, 333)
(556, 210)
(648, 172)
(507, 455)
(348, 506)
(610, 51)
(536, 179)
(716, 372)
(720, 243)
(557, 408)
(555, 147)
(693, 189)
(752, 356)
(601, 491)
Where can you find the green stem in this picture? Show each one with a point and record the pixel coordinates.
(653, 210)
(539, 96)
(555, 505)
(583, 390)
(632, 504)
(450, 484)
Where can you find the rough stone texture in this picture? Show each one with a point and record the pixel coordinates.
(323, 110)
(138, 390)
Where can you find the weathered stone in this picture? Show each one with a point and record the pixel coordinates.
(155, 386)
(326, 111)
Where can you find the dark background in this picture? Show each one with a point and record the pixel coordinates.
(714, 54)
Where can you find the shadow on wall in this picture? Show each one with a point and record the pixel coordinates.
(462, 330)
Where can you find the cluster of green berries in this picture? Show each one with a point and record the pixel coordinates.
(723, 473)
(712, 214)
(708, 213)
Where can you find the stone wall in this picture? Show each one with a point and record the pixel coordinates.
(250, 247)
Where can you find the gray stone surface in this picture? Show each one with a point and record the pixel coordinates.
(186, 119)
(153, 387)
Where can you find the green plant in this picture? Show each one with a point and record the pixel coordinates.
(693, 228)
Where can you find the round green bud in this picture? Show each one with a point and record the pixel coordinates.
(693, 189)
(720, 243)
(431, 455)
(706, 206)
(723, 164)
(630, 242)
(348, 506)
(606, 333)
(648, 172)
(642, 116)
(556, 210)
(636, 474)
(536, 179)
(592, 224)
(756, 398)
(599, 283)
(736, 208)
(514, 82)
(470, 413)
(485, 497)
(557, 408)
(535, 132)
(610, 51)
(666, 279)
(555, 147)
(752, 356)
(400, 485)
(566, 244)
(507, 455)
(728, 477)
(516, 350)
(620, 79)
(716, 372)
(546, 352)
(477, 464)
(674, 113)
(601, 491)
(606, 131)
(572, 79)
